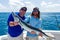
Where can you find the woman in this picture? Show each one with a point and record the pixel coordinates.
(34, 20)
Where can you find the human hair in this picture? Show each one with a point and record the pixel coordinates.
(37, 15)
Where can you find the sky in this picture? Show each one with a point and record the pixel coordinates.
(43, 5)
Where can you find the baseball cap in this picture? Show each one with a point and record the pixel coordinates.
(24, 8)
(36, 8)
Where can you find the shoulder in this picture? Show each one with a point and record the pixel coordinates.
(13, 12)
(11, 16)
(28, 16)
(17, 13)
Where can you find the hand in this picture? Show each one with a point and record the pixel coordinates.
(16, 23)
(32, 32)
(40, 34)
(11, 23)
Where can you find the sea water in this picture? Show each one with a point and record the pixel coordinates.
(50, 21)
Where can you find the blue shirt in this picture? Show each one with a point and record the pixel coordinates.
(15, 30)
(35, 22)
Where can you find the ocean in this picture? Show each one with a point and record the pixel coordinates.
(50, 21)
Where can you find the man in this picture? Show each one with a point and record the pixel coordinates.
(15, 31)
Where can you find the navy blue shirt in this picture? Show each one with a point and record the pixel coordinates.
(16, 30)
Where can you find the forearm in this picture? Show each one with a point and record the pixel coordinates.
(11, 23)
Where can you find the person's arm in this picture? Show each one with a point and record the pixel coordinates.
(39, 27)
(10, 21)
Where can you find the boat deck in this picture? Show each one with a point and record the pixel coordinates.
(56, 34)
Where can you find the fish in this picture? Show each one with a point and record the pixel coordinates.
(27, 26)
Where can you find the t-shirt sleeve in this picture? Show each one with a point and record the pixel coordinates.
(27, 19)
(10, 18)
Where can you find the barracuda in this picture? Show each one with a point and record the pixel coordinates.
(26, 26)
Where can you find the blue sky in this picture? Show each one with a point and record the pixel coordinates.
(43, 5)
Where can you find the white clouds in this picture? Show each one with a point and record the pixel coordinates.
(43, 3)
(53, 5)
(2, 7)
(30, 6)
(50, 6)
(28, 2)
(17, 4)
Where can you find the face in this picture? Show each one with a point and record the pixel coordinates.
(22, 12)
(35, 14)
